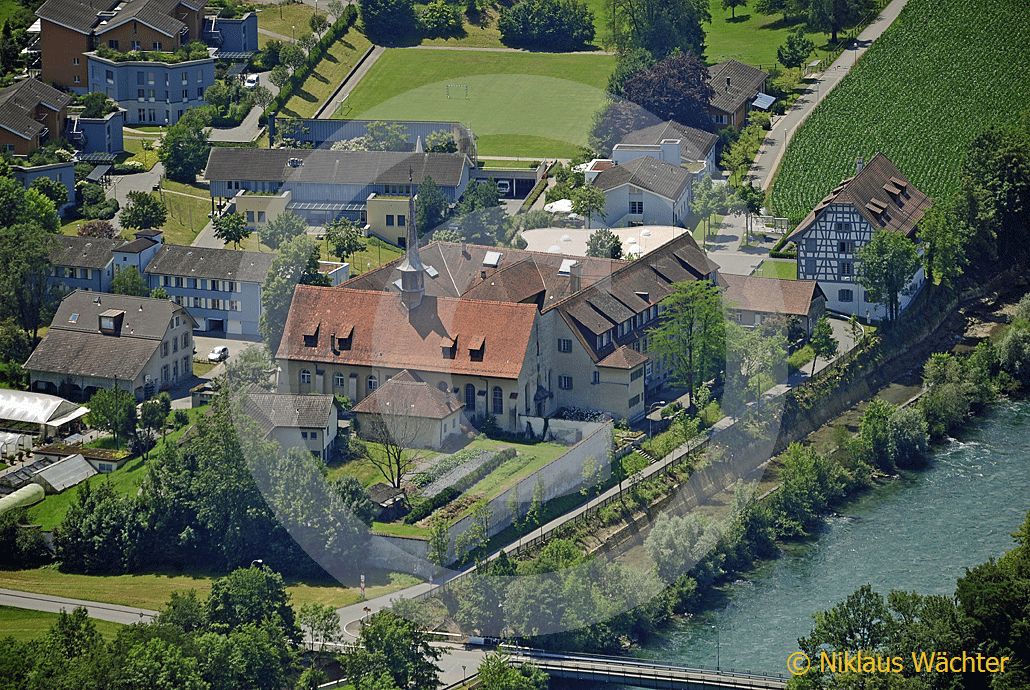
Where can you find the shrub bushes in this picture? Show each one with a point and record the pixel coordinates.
(558, 25)
(389, 22)
(439, 19)
(332, 34)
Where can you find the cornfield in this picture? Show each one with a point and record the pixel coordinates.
(944, 71)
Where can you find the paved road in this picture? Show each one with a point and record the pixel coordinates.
(137, 182)
(333, 104)
(125, 615)
(455, 664)
(771, 152)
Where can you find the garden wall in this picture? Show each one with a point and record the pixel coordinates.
(560, 478)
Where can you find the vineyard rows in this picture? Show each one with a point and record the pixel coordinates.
(944, 71)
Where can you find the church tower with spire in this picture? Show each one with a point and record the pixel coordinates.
(411, 269)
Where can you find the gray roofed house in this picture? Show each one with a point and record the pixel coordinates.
(306, 421)
(83, 263)
(32, 113)
(83, 252)
(85, 16)
(333, 167)
(734, 87)
(645, 190)
(206, 262)
(696, 145)
(79, 16)
(323, 184)
(24, 104)
(220, 288)
(98, 340)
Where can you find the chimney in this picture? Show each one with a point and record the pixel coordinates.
(859, 164)
(464, 249)
(576, 276)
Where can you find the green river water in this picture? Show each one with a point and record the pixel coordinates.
(916, 533)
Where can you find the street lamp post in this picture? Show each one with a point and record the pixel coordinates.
(655, 405)
(464, 677)
(718, 647)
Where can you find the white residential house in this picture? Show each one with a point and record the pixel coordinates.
(878, 197)
(643, 191)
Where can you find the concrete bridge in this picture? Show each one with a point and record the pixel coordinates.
(595, 669)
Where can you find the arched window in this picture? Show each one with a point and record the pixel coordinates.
(498, 400)
(470, 398)
(373, 382)
(338, 380)
(305, 376)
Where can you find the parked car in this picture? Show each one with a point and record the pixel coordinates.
(219, 353)
(251, 81)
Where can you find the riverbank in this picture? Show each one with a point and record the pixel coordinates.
(894, 537)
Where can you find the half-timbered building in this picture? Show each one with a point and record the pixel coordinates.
(877, 197)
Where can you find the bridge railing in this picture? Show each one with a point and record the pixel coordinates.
(529, 653)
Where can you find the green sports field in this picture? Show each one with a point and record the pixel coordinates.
(519, 104)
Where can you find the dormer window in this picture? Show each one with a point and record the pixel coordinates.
(477, 346)
(311, 339)
(345, 338)
(110, 321)
(449, 346)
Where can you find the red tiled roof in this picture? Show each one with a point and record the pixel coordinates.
(770, 295)
(406, 394)
(385, 334)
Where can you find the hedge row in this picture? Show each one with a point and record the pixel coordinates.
(334, 33)
(424, 509)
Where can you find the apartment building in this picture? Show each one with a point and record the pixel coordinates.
(69, 30)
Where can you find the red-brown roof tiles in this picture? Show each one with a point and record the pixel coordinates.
(385, 334)
(408, 395)
(770, 295)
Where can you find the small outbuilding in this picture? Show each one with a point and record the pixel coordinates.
(416, 414)
(64, 474)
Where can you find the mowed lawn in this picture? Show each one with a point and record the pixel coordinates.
(152, 590)
(753, 38)
(519, 104)
(24, 624)
(784, 269)
(330, 72)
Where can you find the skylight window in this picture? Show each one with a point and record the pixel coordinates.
(74, 318)
(432, 272)
(492, 259)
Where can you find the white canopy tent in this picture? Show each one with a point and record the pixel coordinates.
(48, 413)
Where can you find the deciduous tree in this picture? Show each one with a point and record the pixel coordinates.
(128, 281)
(690, 335)
(231, 227)
(589, 201)
(796, 50)
(344, 237)
(114, 411)
(822, 341)
(889, 262)
(605, 244)
(144, 211)
(674, 88)
(184, 148)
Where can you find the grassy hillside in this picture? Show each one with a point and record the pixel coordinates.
(945, 70)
